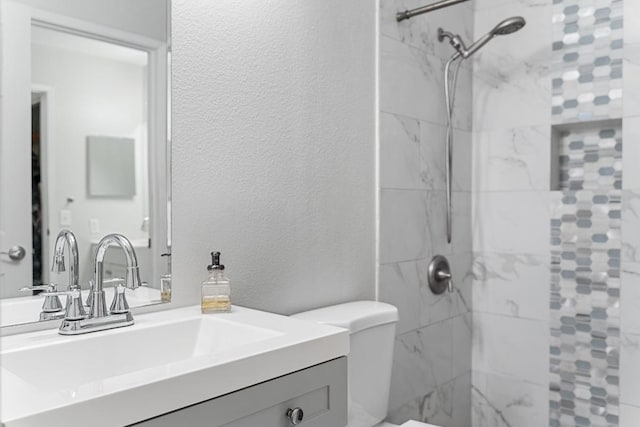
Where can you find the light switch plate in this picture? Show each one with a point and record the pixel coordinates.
(65, 217)
(94, 225)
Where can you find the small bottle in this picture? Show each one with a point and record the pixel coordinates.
(216, 290)
(165, 288)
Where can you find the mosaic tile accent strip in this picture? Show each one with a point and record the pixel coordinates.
(591, 159)
(587, 60)
(585, 282)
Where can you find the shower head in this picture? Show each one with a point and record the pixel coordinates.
(508, 26)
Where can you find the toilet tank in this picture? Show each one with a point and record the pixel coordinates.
(372, 330)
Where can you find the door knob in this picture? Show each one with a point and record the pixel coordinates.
(16, 253)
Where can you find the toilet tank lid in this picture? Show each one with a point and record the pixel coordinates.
(355, 316)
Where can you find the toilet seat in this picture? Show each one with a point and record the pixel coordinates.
(412, 423)
(409, 423)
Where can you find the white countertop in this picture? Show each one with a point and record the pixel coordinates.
(127, 397)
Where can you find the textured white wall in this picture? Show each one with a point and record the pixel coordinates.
(274, 149)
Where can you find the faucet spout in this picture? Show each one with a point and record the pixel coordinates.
(132, 280)
(67, 238)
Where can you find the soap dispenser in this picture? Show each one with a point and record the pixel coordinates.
(216, 290)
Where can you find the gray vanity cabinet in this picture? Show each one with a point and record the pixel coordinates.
(319, 392)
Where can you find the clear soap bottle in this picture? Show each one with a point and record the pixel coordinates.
(216, 290)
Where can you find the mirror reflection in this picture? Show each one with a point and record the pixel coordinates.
(84, 128)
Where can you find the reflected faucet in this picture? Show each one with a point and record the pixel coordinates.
(67, 238)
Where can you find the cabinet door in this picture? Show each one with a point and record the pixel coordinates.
(320, 391)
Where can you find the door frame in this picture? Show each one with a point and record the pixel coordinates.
(45, 95)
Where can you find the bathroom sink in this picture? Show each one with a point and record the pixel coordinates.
(104, 356)
(166, 361)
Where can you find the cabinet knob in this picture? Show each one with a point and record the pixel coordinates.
(295, 415)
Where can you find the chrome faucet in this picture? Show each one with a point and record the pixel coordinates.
(66, 237)
(51, 308)
(99, 318)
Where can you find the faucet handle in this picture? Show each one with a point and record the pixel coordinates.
(119, 304)
(75, 309)
(46, 287)
(51, 302)
(114, 281)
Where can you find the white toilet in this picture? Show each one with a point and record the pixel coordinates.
(372, 328)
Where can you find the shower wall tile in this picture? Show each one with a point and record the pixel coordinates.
(421, 364)
(432, 155)
(511, 222)
(462, 269)
(631, 84)
(457, 404)
(400, 149)
(462, 109)
(630, 298)
(629, 415)
(413, 224)
(630, 369)
(585, 307)
(511, 86)
(409, 72)
(462, 160)
(405, 286)
(532, 43)
(499, 401)
(403, 225)
(631, 150)
(462, 342)
(587, 61)
(521, 5)
(413, 85)
(406, 72)
(511, 347)
(461, 234)
(447, 405)
(513, 285)
(590, 158)
(422, 33)
(630, 227)
(510, 91)
(400, 285)
(632, 32)
(512, 159)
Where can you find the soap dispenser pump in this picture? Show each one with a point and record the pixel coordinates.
(216, 290)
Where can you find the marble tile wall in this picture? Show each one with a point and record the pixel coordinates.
(431, 379)
(510, 217)
(630, 228)
(515, 103)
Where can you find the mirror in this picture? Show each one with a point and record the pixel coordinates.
(84, 141)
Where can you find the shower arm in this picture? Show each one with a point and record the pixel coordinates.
(401, 16)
